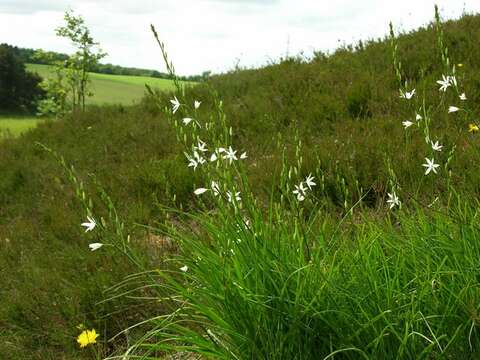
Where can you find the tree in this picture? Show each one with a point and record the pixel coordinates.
(19, 89)
(56, 102)
(206, 75)
(86, 57)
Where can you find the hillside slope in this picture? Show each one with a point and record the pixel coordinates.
(355, 82)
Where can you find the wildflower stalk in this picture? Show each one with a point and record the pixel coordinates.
(168, 63)
(397, 65)
(441, 41)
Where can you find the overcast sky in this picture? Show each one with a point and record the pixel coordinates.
(216, 34)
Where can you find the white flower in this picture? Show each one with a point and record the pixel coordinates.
(431, 166)
(175, 104)
(200, 191)
(195, 160)
(201, 146)
(215, 188)
(231, 197)
(200, 159)
(436, 146)
(309, 181)
(445, 83)
(393, 200)
(192, 163)
(300, 192)
(230, 154)
(453, 80)
(187, 121)
(453, 109)
(196, 104)
(463, 97)
(213, 157)
(243, 156)
(95, 246)
(184, 268)
(221, 150)
(90, 225)
(407, 123)
(407, 95)
(418, 117)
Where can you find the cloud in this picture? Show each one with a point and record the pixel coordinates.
(129, 7)
(112, 6)
(212, 34)
(32, 6)
(247, 2)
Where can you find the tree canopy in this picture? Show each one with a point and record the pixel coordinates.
(19, 89)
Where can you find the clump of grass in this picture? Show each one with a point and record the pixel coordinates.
(282, 289)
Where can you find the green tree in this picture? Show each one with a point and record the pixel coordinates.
(19, 89)
(56, 102)
(85, 58)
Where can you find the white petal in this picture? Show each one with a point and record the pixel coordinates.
(95, 246)
(407, 124)
(200, 191)
(184, 268)
(243, 156)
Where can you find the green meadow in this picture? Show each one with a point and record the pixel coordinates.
(15, 125)
(112, 89)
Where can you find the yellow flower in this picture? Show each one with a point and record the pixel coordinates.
(459, 65)
(87, 337)
(473, 128)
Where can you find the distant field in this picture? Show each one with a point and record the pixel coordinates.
(107, 89)
(113, 89)
(16, 125)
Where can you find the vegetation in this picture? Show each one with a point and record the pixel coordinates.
(107, 90)
(15, 125)
(309, 259)
(112, 89)
(30, 56)
(19, 89)
(71, 85)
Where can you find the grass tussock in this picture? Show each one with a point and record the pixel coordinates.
(279, 289)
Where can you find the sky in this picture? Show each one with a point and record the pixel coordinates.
(216, 35)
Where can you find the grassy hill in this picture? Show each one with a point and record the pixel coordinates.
(386, 283)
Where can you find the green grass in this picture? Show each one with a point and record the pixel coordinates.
(16, 125)
(113, 89)
(282, 288)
